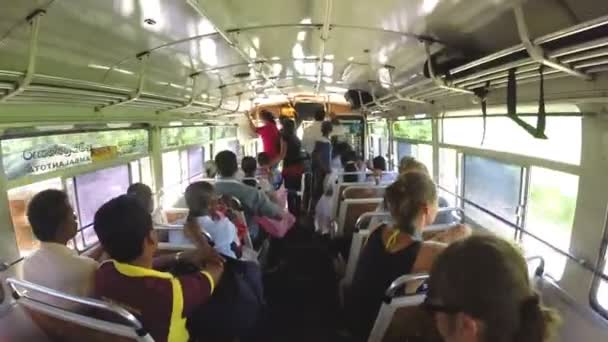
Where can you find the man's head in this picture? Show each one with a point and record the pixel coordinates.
(267, 117)
(201, 198)
(125, 229)
(320, 114)
(379, 163)
(210, 168)
(226, 163)
(143, 194)
(263, 159)
(249, 165)
(52, 217)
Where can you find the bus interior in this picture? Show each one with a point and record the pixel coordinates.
(504, 101)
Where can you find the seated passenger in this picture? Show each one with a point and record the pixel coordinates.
(249, 166)
(410, 164)
(378, 169)
(160, 301)
(202, 201)
(479, 291)
(255, 202)
(393, 251)
(143, 194)
(54, 265)
(210, 169)
(266, 174)
(353, 163)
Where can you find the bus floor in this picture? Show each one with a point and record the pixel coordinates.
(301, 288)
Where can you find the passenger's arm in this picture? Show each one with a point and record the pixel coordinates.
(265, 207)
(198, 287)
(250, 121)
(455, 233)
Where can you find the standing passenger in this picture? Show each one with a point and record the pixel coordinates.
(312, 133)
(293, 165)
(54, 265)
(479, 291)
(321, 160)
(269, 133)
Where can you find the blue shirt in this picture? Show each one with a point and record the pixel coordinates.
(222, 231)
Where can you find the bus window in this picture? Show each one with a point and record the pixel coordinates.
(405, 149)
(172, 177)
(19, 198)
(146, 171)
(550, 215)
(95, 188)
(135, 171)
(425, 156)
(496, 187)
(195, 163)
(448, 174)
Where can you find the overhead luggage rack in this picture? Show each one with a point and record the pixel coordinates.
(579, 51)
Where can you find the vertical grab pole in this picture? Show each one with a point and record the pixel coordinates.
(156, 161)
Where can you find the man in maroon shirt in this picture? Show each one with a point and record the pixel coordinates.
(269, 133)
(159, 300)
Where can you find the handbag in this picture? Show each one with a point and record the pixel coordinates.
(276, 228)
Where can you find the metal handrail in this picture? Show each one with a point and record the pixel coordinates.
(402, 281)
(370, 214)
(430, 228)
(580, 261)
(4, 266)
(540, 270)
(94, 303)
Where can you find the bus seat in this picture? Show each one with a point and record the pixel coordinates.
(364, 191)
(338, 191)
(351, 210)
(400, 317)
(61, 324)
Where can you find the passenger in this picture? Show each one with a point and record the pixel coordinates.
(293, 165)
(479, 291)
(339, 131)
(143, 194)
(339, 149)
(255, 202)
(312, 133)
(210, 169)
(54, 265)
(410, 164)
(321, 160)
(202, 202)
(266, 171)
(393, 251)
(269, 133)
(159, 300)
(323, 210)
(378, 169)
(249, 166)
(353, 164)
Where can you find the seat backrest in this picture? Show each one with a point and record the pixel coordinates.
(400, 317)
(351, 209)
(62, 324)
(339, 190)
(364, 191)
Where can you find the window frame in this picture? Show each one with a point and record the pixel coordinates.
(597, 280)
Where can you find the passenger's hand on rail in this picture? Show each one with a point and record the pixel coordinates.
(215, 269)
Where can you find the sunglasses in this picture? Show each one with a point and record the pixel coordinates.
(432, 308)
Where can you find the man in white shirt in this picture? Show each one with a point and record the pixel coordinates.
(312, 133)
(54, 265)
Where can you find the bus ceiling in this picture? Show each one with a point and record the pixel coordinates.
(193, 60)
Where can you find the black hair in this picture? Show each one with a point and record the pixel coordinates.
(348, 156)
(198, 196)
(351, 167)
(263, 158)
(320, 114)
(122, 225)
(326, 128)
(226, 163)
(267, 116)
(289, 127)
(249, 165)
(143, 194)
(379, 163)
(46, 212)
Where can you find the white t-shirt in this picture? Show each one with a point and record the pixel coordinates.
(57, 267)
(310, 136)
(222, 231)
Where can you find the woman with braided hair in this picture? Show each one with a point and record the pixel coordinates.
(398, 249)
(479, 291)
